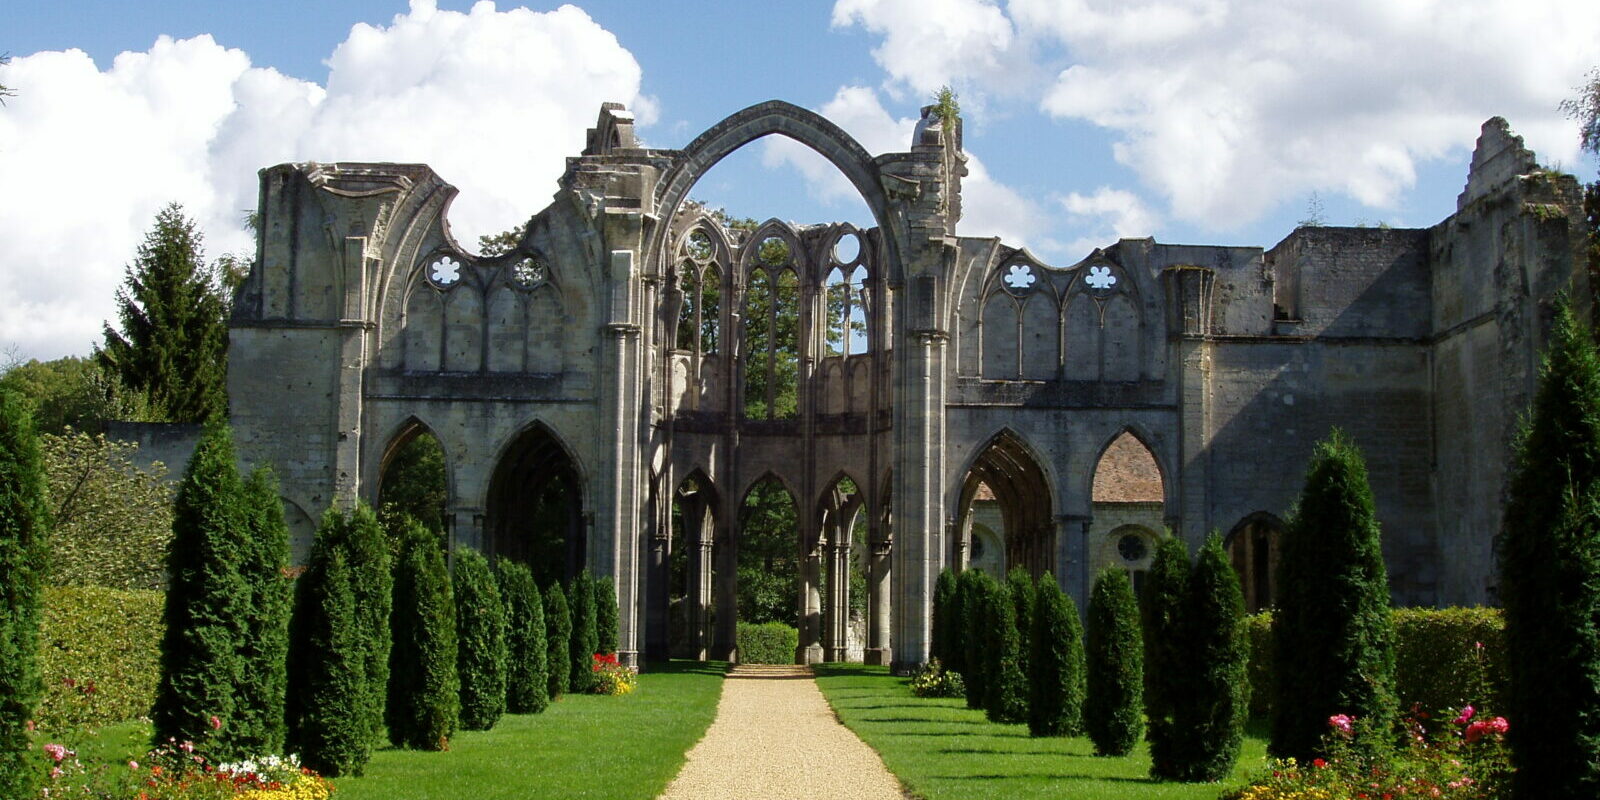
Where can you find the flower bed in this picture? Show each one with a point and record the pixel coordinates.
(611, 677)
(176, 772)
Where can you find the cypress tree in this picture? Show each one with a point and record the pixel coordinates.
(605, 615)
(1006, 691)
(330, 711)
(1022, 600)
(944, 592)
(1056, 683)
(1113, 713)
(424, 690)
(1550, 574)
(972, 589)
(23, 525)
(527, 685)
(366, 549)
(1333, 640)
(580, 654)
(1166, 661)
(1212, 709)
(480, 642)
(558, 637)
(263, 680)
(207, 603)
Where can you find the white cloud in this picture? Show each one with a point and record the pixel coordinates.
(1106, 215)
(493, 100)
(932, 43)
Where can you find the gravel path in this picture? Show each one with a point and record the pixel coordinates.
(776, 738)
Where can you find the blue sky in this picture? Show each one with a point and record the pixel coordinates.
(1201, 121)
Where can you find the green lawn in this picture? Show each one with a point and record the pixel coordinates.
(583, 746)
(940, 749)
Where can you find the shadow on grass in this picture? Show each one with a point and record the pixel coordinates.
(684, 667)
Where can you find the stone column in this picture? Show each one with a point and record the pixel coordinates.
(878, 593)
(838, 598)
(918, 487)
(810, 650)
(699, 599)
(725, 642)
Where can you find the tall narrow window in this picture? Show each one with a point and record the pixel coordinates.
(772, 335)
(757, 344)
(710, 307)
(838, 297)
(856, 312)
(689, 315)
(786, 347)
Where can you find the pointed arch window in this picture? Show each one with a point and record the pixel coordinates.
(772, 334)
(699, 321)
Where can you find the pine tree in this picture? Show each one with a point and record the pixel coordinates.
(263, 652)
(23, 524)
(366, 549)
(605, 615)
(1022, 591)
(1113, 713)
(581, 651)
(972, 589)
(558, 637)
(944, 592)
(207, 603)
(1056, 683)
(1333, 639)
(1550, 574)
(424, 690)
(1213, 707)
(329, 723)
(480, 641)
(1166, 665)
(1006, 688)
(527, 683)
(173, 345)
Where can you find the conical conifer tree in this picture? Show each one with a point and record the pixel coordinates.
(1056, 681)
(605, 615)
(366, 549)
(972, 589)
(1166, 665)
(23, 523)
(1020, 585)
(581, 650)
(207, 603)
(330, 723)
(558, 637)
(1006, 690)
(1550, 575)
(1113, 713)
(1213, 706)
(424, 690)
(527, 684)
(263, 680)
(480, 642)
(1333, 639)
(944, 592)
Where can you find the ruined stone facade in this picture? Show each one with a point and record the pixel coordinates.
(956, 382)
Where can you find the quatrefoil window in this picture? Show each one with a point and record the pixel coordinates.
(528, 272)
(1100, 278)
(445, 272)
(1019, 277)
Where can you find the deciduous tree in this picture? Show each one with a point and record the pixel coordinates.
(113, 519)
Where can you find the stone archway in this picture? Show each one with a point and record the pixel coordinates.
(1253, 549)
(1008, 472)
(535, 508)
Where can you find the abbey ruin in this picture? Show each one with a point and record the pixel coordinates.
(926, 399)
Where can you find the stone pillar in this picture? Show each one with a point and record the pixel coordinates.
(838, 599)
(919, 485)
(699, 599)
(810, 650)
(725, 642)
(658, 580)
(878, 593)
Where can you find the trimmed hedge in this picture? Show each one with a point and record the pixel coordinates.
(100, 655)
(480, 641)
(767, 643)
(1438, 665)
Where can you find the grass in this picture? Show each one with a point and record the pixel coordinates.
(939, 749)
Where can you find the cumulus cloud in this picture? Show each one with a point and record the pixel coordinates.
(932, 43)
(493, 100)
(1105, 215)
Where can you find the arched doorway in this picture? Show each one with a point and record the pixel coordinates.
(1007, 472)
(690, 573)
(536, 507)
(412, 480)
(844, 534)
(1253, 549)
(1129, 508)
(768, 581)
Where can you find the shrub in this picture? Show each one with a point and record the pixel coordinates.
(207, 602)
(1167, 663)
(557, 637)
(480, 641)
(23, 524)
(767, 643)
(1056, 686)
(605, 615)
(366, 549)
(1212, 706)
(330, 711)
(584, 643)
(1006, 689)
(1333, 638)
(943, 637)
(259, 712)
(99, 656)
(424, 687)
(1550, 573)
(527, 684)
(1258, 630)
(933, 680)
(611, 677)
(972, 588)
(1113, 711)
(1022, 592)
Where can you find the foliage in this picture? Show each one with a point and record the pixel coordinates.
(74, 392)
(945, 636)
(1113, 710)
(1005, 696)
(414, 483)
(1056, 684)
(1585, 109)
(946, 107)
(1213, 703)
(5, 91)
(1258, 632)
(208, 600)
(113, 520)
(1333, 637)
(330, 712)
(558, 640)
(501, 243)
(933, 680)
(585, 639)
(173, 346)
(1020, 585)
(605, 614)
(1167, 662)
(24, 521)
(768, 566)
(258, 724)
(527, 676)
(424, 700)
(972, 589)
(771, 338)
(766, 642)
(366, 547)
(1550, 573)
(480, 641)
(174, 771)
(610, 677)
(99, 656)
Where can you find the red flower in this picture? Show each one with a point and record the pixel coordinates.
(1319, 763)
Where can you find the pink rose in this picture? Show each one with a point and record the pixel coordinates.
(216, 724)
(1466, 714)
(1498, 725)
(1341, 723)
(56, 752)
